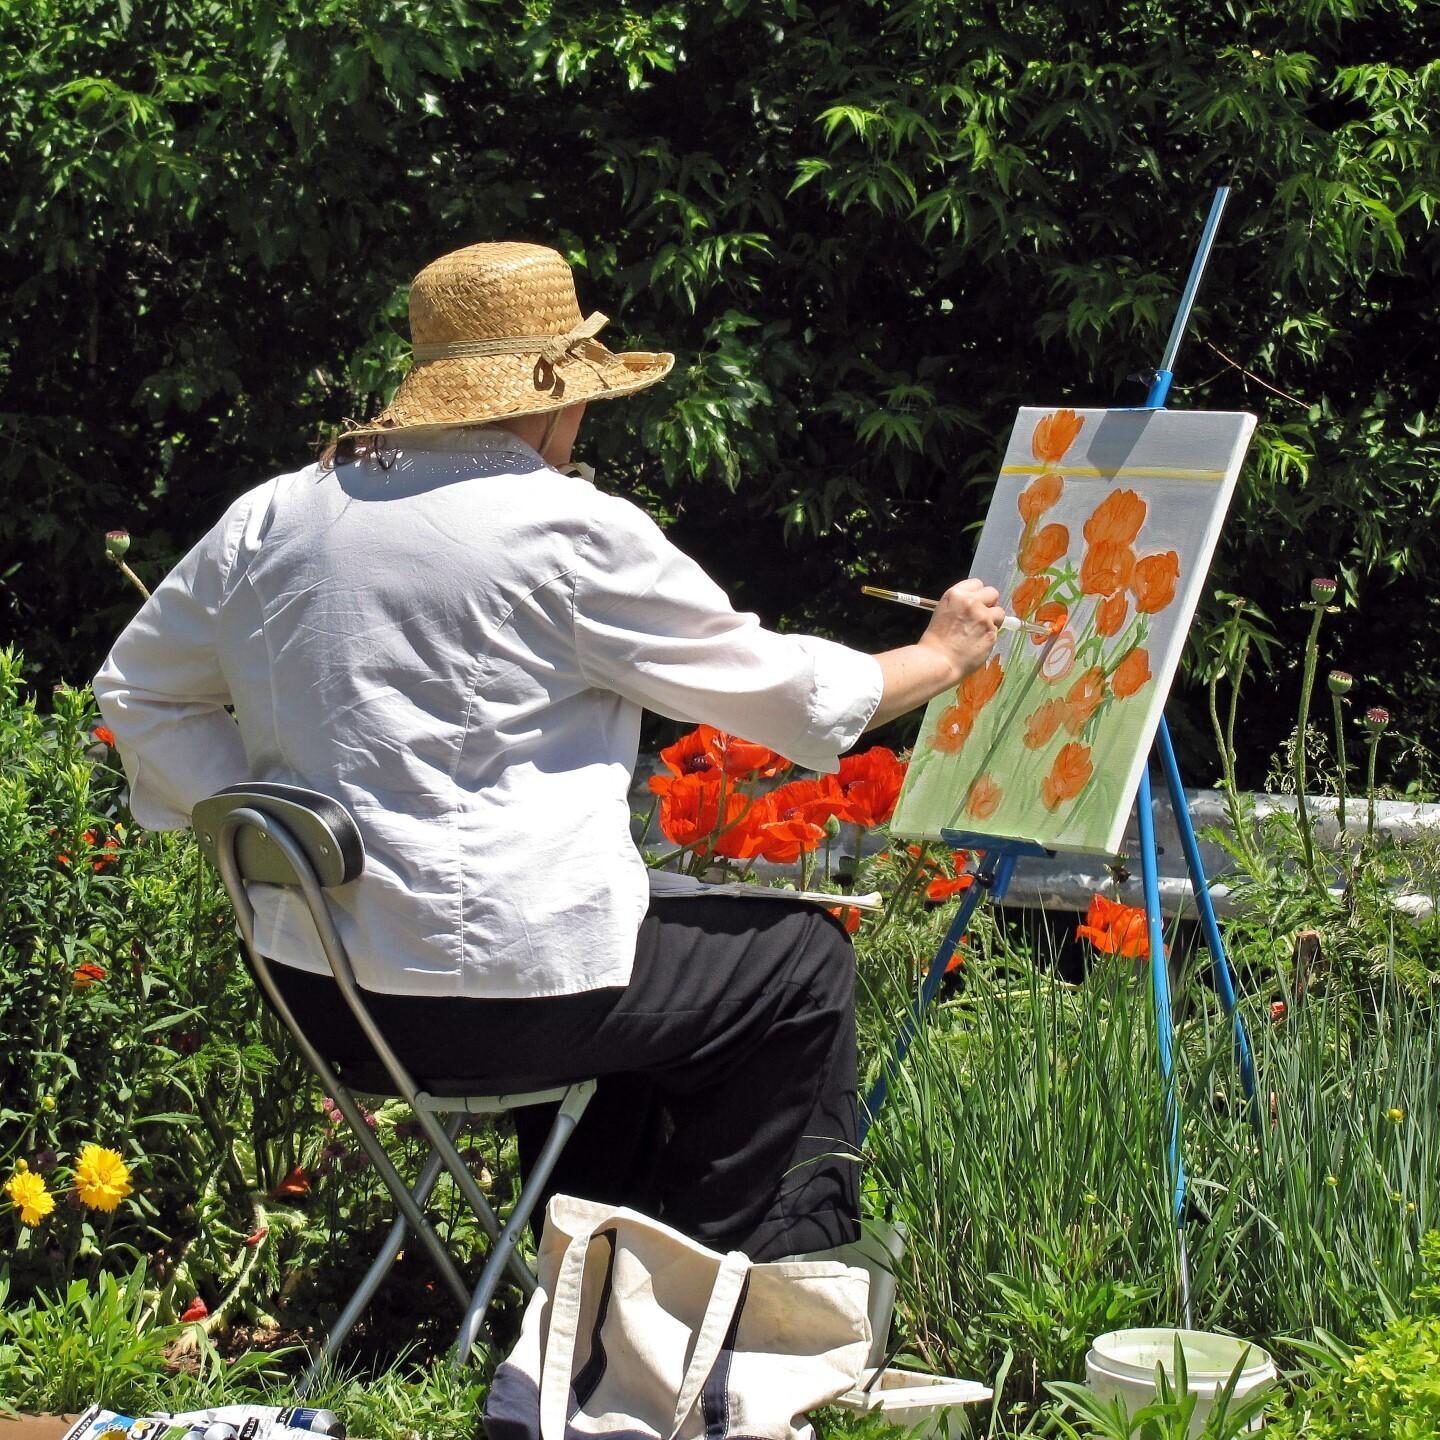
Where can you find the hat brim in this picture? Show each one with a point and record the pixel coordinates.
(477, 390)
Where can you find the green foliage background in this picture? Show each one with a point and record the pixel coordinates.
(869, 230)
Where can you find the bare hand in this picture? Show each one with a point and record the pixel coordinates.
(964, 626)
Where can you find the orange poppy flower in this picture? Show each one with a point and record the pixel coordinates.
(952, 729)
(1043, 723)
(86, 975)
(1044, 548)
(1106, 568)
(957, 960)
(981, 686)
(1053, 435)
(1040, 495)
(105, 735)
(984, 797)
(870, 784)
(194, 1312)
(1116, 929)
(1131, 674)
(1053, 615)
(1117, 518)
(107, 858)
(1083, 699)
(1111, 613)
(848, 916)
(1153, 583)
(1028, 594)
(1068, 776)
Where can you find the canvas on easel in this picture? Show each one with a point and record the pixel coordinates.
(1102, 528)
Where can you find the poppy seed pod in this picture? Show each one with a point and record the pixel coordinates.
(1376, 719)
(1322, 591)
(117, 542)
(1341, 682)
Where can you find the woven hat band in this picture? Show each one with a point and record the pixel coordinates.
(551, 348)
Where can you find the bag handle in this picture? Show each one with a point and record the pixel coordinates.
(725, 1298)
(564, 1326)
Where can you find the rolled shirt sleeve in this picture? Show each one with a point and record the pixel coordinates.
(163, 693)
(652, 626)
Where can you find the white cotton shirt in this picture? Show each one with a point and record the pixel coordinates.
(458, 649)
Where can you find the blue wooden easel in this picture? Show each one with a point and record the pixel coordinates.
(1000, 856)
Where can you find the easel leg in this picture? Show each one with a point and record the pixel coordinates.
(1164, 1025)
(992, 876)
(1214, 942)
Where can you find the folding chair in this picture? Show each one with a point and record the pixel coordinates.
(285, 835)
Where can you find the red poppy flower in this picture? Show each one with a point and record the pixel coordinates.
(196, 1310)
(691, 754)
(62, 859)
(1053, 435)
(1116, 929)
(1044, 548)
(1131, 674)
(1040, 495)
(942, 887)
(957, 960)
(295, 1185)
(870, 784)
(105, 735)
(86, 975)
(812, 800)
(690, 805)
(848, 916)
(785, 841)
(107, 859)
(743, 759)
(1068, 776)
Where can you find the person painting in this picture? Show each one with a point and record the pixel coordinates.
(444, 631)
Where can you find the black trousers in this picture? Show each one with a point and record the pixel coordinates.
(726, 1103)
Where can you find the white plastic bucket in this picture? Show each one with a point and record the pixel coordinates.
(1123, 1363)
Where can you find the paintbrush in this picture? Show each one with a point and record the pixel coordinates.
(920, 602)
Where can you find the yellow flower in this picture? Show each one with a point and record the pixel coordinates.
(1395, 1115)
(102, 1178)
(28, 1194)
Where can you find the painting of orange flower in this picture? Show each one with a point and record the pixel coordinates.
(1101, 527)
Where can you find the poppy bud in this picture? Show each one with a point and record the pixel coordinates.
(1376, 719)
(1340, 682)
(117, 542)
(1322, 591)
(832, 827)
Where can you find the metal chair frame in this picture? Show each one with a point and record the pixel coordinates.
(286, 835)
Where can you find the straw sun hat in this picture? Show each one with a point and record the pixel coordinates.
(496, 331)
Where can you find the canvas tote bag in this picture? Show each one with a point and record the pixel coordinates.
(638, 1333)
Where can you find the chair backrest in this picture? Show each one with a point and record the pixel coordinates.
(323, 828)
